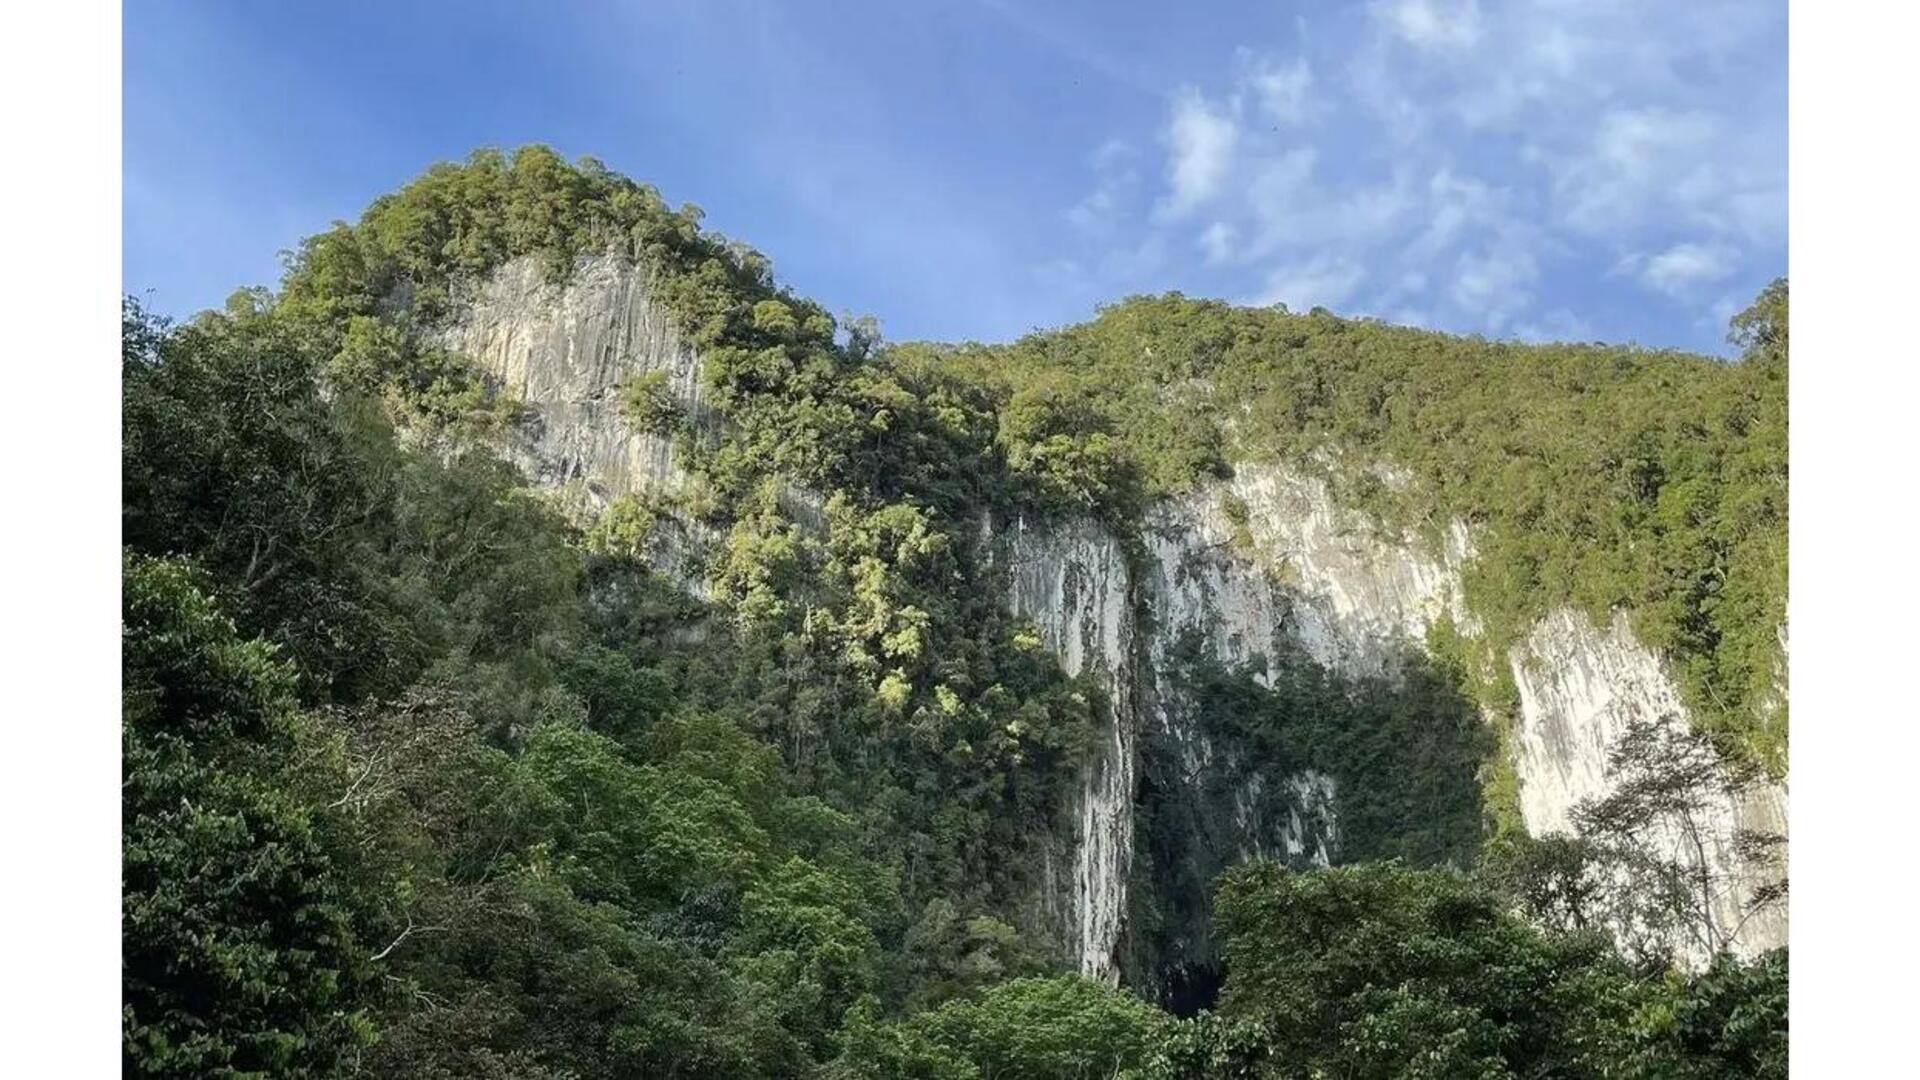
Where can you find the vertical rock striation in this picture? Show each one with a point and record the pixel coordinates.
(564, 351)
(1360, 597)
(1071, 580)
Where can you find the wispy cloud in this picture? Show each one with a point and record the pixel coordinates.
(1495, 283)
(1683, 268)
(1285, 92)
(1641, 162)
(1072, 44)
(1099, 213)
(1219, 241)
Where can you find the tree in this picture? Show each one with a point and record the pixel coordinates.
(239, 954)
(648, 402)
(1551, 880)
(1655, 838)
(1381, 970)
(1760, 331)
(1732, 1020)
(231, 455)
(1065, 1027)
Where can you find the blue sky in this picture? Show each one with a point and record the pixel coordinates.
(1559, 169)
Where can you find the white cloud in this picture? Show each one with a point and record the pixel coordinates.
(1427, 24)
(1099, 214)
(1322, 281)
(1655, 166)
(1639, 141)
(1275, 192)
(1095, 213)
(1114, 154)
(1288, 205)
(1495, 66)
(1200, 139)
(1682, 268)
(1456, 205)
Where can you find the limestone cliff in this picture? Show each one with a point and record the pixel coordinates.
(1264, 564)
(1580, 687)
(1071, 580)
(565, 351)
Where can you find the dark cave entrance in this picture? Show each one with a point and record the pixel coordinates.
(1189, 989)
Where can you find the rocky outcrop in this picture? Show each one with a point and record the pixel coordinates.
(1071, 580)
(1358, 597)
(564, 351)
(1263, 565)
(1581, 686)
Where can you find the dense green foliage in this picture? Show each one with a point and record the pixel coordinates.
(1405, 751)
(240, 949)
(425, 777)
(517, 787)
(1378, 971)
(1405, 755)
(1024, 1029)
(1381, 970)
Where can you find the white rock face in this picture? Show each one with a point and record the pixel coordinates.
(565, 351)
(1356, 602)
(1293, 570)
(1312, 798)
(1361, 598)
(1201, 589)
(1071, 580)
(1204, 586)
(1357, 599)
(1311, 832)
(1303, 568)
(1580, 686)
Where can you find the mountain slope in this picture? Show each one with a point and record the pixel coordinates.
(970, 661)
